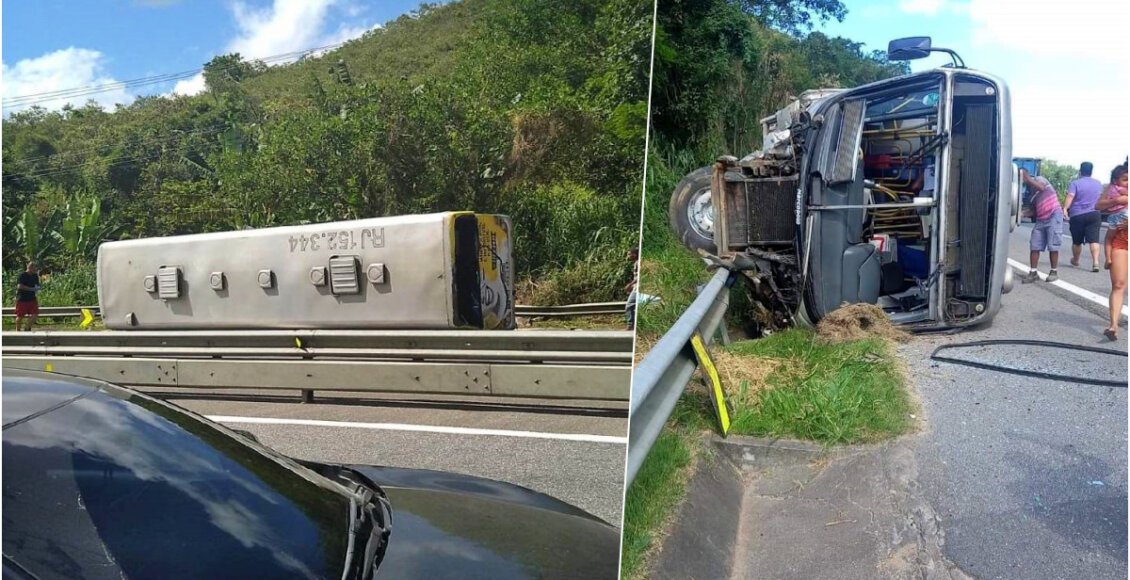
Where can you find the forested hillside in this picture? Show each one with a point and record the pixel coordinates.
(536, 109)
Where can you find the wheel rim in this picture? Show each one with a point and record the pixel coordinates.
(700, 214)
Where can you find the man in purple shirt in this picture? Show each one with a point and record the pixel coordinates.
(1079, 208)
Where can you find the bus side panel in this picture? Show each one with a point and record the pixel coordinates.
(283, 277)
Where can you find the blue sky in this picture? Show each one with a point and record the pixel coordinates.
(59, 44)
(1065, 62)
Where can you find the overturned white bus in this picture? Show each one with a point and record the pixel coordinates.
(900, 193)
(436, 271)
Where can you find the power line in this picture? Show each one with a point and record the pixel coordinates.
(73, 92)
(202, 132)
(113, 162)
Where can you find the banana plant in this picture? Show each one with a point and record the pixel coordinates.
(83, 228)
(32, 239)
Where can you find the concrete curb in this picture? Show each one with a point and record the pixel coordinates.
(691, 549)
(774, 508)
(757, 453)
(715, 494)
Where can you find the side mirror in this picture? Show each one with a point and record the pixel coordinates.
(911, 48)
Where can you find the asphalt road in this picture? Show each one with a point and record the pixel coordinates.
(1028, 476)
(566, 450)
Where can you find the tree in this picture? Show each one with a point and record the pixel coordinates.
(720, 66)
(794, 17)
(225, 72)
(1059, 174)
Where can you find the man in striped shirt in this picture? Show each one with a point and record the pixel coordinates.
(1048, 227)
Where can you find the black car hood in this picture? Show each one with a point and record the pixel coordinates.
(446, 525)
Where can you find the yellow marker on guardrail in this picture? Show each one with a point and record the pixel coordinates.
(717, 396)
(87, 318)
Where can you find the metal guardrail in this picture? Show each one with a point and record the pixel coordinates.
(661, 377)
(56, 311)
(544, 364)
(589, 309)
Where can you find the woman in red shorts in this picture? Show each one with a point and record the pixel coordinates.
(1118, 265)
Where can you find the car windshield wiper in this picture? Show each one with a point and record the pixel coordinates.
(370, 523)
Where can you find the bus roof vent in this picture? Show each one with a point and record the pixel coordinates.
(344, 274)
(168, 282)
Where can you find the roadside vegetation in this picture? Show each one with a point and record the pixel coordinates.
(533, 109)
(1061, 175)
(720, 67)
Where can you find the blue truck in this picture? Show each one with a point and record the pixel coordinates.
(1032, 165)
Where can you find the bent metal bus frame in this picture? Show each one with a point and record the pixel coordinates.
(899, 193)
(437, 271)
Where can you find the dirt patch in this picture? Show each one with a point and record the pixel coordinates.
(524, 290)
(857, 322)
(644, 344)
(743, 376)
(734, 369)
(585, 322)
(649, 268)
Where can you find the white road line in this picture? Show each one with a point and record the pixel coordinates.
(1082, 293)
(420, 428)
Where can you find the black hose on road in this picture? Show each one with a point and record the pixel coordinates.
(1027, 373)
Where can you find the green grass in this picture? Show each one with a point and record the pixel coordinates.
(668, 269)
(831, 393)
(658, 486)
(674, 275)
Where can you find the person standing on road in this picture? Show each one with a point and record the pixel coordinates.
(1084, 219)
(1116, 252)
(632, 290)
(1048, 227)
(26, 303)
(1116, 188)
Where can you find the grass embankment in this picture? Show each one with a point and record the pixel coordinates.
(793, 384)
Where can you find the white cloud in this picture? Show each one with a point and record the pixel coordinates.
(354, 9)
(927, 7)
(60, 70)
(190, 86)
(286, 26)
(345, 33)
(1065, 64)
(1093, 29)
(1044, 127)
